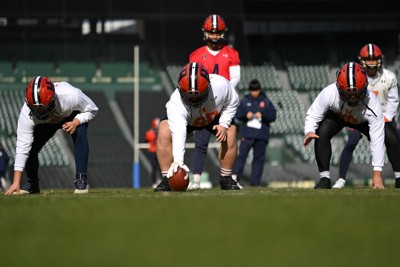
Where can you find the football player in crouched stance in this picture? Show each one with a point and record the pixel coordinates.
(346, 103)
(48, 107)
(383, 83)
(200, 101)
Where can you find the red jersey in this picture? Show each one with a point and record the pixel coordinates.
(218, 64)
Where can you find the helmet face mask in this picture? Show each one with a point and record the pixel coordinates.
(214, 30)
(371, 58)
(352, 83)
(352, 96)
(40, 97)
(43, 112)
(194, 84)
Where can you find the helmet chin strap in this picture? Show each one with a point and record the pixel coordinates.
(369, 108)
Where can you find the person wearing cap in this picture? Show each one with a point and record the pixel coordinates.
(256, 112)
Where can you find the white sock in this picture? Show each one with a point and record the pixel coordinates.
(226, 172)
(325, 174)
(234, 177)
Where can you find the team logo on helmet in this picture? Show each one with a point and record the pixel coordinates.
(194, 84)
(40, 97)
(352, 83)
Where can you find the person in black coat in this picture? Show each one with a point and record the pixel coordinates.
(256, 112)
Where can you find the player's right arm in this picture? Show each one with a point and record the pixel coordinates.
(377, 135)
(24, 144)
(177, 121)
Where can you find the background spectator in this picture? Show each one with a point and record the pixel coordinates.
(256, 111)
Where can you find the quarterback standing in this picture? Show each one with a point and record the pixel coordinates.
(217, 58)
(200, 101)
(48, 107)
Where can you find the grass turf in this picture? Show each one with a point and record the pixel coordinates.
(252, 227)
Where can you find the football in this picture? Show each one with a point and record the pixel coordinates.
(177, 182)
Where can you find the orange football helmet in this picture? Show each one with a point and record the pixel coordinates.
(352, 83)
(373, 54)
(194, 84)
(40, 96)
(214, 24)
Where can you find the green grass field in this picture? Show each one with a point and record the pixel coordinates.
(252, 227)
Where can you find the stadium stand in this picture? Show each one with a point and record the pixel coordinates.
(307, 78)
(265, 73)
(290, 112)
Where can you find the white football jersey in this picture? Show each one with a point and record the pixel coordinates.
(69, 99)
(384, 85)
(222, 100)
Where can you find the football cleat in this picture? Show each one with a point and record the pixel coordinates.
(30, 187)
(163, 186)
(397, 183)
(339, 183)
(227, 183)
(324, 183)
(194, 186)
(81, 184)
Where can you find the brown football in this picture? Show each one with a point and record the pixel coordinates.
(178, 182)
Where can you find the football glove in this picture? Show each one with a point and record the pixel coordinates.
(174, 168)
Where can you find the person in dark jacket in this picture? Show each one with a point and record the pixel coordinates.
(256, 112)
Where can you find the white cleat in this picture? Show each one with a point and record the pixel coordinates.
(240, 186)
(194, 186)
(339, 183)
(78, 191)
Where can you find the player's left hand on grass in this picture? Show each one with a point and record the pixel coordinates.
(174, 168)
(13, 189)
(377, 182)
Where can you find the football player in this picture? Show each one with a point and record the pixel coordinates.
(345, 103)
(383, 83)
(48, 107)
(200, 101)
(218, 58)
